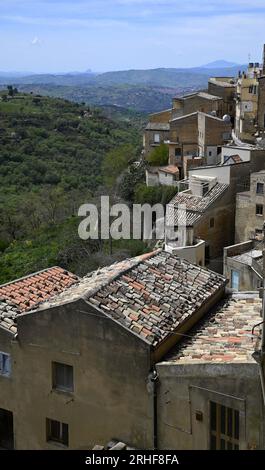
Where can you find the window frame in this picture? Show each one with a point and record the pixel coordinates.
(258, 206)
(5, 358)
(212, 222)
(157, 140)
(57, 386)
(63, 432)
(260, 185)
(226, 428)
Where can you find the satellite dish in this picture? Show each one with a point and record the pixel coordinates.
(227, 118)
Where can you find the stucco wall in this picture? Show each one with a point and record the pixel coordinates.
(186, 389)
(111, 367)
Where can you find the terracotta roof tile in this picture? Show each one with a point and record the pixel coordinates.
(225, 335)
(25, 294)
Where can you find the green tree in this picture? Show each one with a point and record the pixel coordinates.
(116, 162)
(159, 156)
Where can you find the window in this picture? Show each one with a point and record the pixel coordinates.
(224, 427)
(210, 153)
(178, 152)
(212, 222)
(63, 377)
(259, 209)
(260, 188)
(235, 277)
(57, 432)
(157, 138)
(5, 364)
(258, 232)
(205, 188)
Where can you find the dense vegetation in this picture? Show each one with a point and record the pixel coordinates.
(55, 142)
(129, 98)
(51, 154)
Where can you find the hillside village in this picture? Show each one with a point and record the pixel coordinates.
(164, 350)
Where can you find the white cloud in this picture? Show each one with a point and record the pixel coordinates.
(35, 41)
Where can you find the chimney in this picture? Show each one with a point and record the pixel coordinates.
(263, 67)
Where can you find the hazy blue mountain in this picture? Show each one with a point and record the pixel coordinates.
(162, 77)
(219, 64)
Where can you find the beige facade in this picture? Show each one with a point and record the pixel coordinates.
(197, 135)
(250, 209)
(157, 130)
(104, 385)
(247, 103)
(201, 101)
(212, 206)
(243, 266)
(225, 88)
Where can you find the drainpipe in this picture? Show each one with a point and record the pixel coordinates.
(154, 381)
(260, 355)
(262, 376)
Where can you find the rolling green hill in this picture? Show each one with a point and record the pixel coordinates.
(56, 142)
(51, 156)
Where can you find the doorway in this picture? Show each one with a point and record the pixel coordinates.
(6, 430)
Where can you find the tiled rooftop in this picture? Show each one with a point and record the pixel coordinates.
(198, 113)
(225, 335)
(157, 126)
(248, 256)
(232, 159)
(172, 169)
(200, 94)
(195, 205)
(152, 295)
(222, 83)
(156, 296)
(27, 293)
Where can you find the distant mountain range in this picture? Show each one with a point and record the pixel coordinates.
(220, 64)
(163, 77)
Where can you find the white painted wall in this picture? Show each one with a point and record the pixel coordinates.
(221, 173)
(244, 153)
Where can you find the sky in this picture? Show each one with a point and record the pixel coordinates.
(76, 35)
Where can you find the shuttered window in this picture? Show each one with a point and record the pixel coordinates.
(224, 427)
(5, 364)
(63, 377)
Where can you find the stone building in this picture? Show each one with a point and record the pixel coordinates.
(78, 355)
(197, 135)
(225, 88)
(212, 214)
(243, 266)
(157, 129)
(105, 359)
(200, 101)
(209, 388)
(247, 103)
(164, 176)
(155, 134)
(250, 209)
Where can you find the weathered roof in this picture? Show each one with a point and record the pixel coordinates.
(152, 295)
(233, 159)
(222, 83)
(172, 169)
(248, 256)
(8, 315)
(157, 126)
(200, 94)
(200, 113)
(195, 205)
(158, 295)
(27, 293)
(225, 335)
